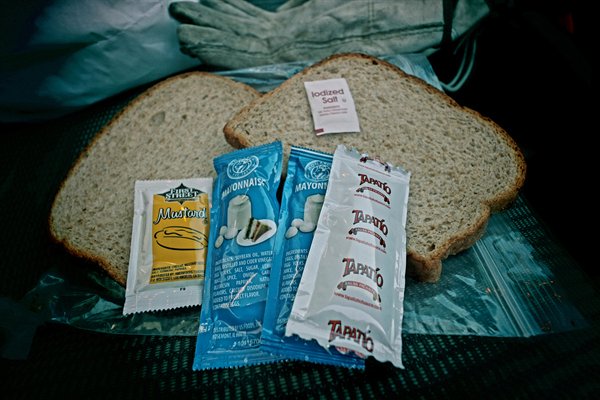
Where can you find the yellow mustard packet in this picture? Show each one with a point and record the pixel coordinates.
(169, 240)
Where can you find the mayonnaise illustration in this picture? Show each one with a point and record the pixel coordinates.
(312, 208)
(239, 211)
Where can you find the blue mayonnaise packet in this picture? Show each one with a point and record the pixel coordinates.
(301, 201)
(240, 253)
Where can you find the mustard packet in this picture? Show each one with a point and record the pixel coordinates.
(169, 238)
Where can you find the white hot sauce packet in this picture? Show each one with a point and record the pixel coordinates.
(351, 294)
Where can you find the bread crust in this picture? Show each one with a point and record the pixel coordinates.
(423, 267)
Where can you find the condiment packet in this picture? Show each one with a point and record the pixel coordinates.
(351, 293)
(168, 244)
(240, 254)
(332, 106)
(301, 201)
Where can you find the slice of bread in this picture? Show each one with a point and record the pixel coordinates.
(463, 165)
(172, 130)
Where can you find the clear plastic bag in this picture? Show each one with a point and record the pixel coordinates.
(500, 287)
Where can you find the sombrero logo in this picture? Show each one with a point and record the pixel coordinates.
(242, 167)
(317, 171)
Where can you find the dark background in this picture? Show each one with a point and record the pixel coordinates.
(533, 76)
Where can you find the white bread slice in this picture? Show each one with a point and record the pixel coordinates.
(463, 165)
(172, 130)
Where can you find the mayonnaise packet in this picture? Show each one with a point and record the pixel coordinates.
(351, 293)
(240, 253)
(301, 201)
(168, 244)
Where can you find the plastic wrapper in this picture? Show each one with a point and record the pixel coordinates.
(503, 286)
(268, 77)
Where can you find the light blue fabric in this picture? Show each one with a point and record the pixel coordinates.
(59, 56)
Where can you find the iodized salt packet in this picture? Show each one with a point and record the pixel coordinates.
(301, 201)
(351, 294)
(240, 253)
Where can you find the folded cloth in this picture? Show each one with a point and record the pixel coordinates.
(237, 34)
